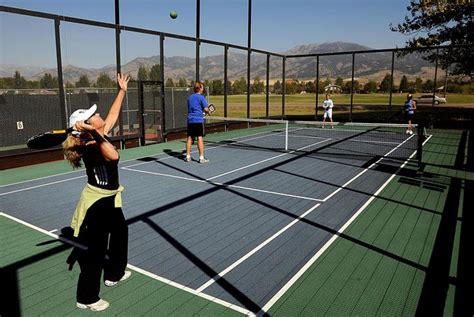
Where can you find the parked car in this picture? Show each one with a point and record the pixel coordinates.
(428, 99)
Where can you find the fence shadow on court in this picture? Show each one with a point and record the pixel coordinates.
(437, 280)
(238, 295)
(436, 283)
(437, 272)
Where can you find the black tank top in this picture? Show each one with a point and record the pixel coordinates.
(100, 173)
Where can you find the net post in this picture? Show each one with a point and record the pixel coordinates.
(286, 135)
(419, 148)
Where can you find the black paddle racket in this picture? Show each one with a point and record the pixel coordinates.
(212, 108)
(48, 139)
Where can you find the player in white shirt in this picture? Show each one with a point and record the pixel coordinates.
(328, 105)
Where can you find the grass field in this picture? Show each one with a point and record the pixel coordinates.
(305, 104)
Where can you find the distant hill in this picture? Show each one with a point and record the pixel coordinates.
(367, 66)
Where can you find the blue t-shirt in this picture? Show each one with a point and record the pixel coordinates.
(409, 107)
(196, 105)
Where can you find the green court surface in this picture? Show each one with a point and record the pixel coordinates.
(404, 255)
(35, 273)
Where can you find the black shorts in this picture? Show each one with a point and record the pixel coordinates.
(196, 129)
(409, 116)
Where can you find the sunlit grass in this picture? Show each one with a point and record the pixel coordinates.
(305, 104)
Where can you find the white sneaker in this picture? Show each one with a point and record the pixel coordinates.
(203, 160)
(407, 131)
(124, 277)
(411, 132)
(187, 159)
(97, 306)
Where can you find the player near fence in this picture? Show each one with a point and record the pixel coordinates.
(410, 107)
(328, 105)
(197, 105)
(98, 220)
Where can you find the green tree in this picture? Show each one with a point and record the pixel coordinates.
(34, 84)
(142, 73)
(48, 81)
(327, 82)
(300, 87)
(229, 88)
(356, 86)
(291, 86)
(309, 86)
(104, 81)
(453, 86)
(182, 82)
(217, 87)
(321, 87)
(339, 81)
(239, 86)
(19, 82)
(418, 84)
(347, 87)
(7, 83)
(442, 23)
(385, 84)
(83, 82)
(403, 87)
(277, 89)
(411, 87)
(169, 82)
(370, 87)
(207, 84)
(428, 86)
(155, 73)
(258, 86)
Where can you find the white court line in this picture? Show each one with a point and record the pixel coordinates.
(268, 159)
(217, 146)
(169, 157)
(308, 264)
(371, 141)
(222, 184)
(306, 136)
(192, 291)
(121, 163)
(213, 299)
(238, 262)
(65, 173)
(125, 161)
(40, 178)
(141, 163)
(42, 185)
(51, 234)
(139, 270)
(256, 249)
(60, 174)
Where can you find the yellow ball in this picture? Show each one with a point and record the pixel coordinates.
(173, 14)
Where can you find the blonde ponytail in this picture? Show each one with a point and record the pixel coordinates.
(70, 146)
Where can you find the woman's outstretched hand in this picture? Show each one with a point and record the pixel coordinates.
(122, 80)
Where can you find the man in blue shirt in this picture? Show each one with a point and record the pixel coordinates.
(410, 107)
(197, 105)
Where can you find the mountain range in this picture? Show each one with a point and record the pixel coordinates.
(368, 66)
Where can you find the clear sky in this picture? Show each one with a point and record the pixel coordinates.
(277, 26)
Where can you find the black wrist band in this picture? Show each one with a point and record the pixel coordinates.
(97, 137)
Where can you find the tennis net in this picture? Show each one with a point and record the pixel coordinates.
(360, 141)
